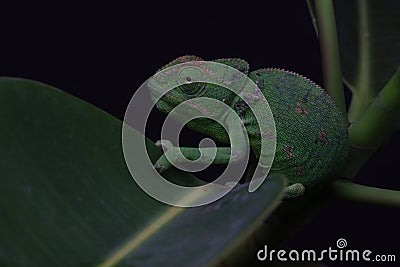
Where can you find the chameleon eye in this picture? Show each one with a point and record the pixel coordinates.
(192, 88)
(189, 77)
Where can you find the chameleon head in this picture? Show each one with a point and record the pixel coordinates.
(167, 97)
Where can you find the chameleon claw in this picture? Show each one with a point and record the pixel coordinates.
(157, 166)
(160, 168)
(163, 163)
(164, 144)
(158, 143)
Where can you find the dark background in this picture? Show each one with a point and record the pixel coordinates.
(102, 53)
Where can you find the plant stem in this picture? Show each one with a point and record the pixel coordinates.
(330, 51)
(356, 159)
(359, 103)
(378, 122)
(365, 194)
(311, 10)
(364, 93)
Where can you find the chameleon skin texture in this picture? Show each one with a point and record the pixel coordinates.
(312, 137)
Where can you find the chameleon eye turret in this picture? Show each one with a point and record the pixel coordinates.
(190, 76)
(192, 88)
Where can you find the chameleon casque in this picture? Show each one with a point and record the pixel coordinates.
(312, 137)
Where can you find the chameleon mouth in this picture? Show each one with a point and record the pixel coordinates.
(162, 106)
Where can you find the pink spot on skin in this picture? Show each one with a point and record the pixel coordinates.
(288, 151)
(323, 137)
(301, 110)
(299, 171)
(298, 108)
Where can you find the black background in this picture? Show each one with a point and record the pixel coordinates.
(102, 53)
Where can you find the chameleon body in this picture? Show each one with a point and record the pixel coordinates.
(312, 137)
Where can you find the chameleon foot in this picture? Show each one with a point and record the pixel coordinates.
(165, 144)
(294, 190)
(162, 164)
(173, 155)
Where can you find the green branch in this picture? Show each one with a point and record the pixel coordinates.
(311, 9)
(360, 100)
(377, 123)
(379, 120)
(330, 51)
(365, 194)
(364, 94)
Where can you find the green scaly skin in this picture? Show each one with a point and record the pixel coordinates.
(312, 136)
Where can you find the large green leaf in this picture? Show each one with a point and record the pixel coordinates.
(67, 198)
(369, 42)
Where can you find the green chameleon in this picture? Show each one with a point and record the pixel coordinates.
(312, 137)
